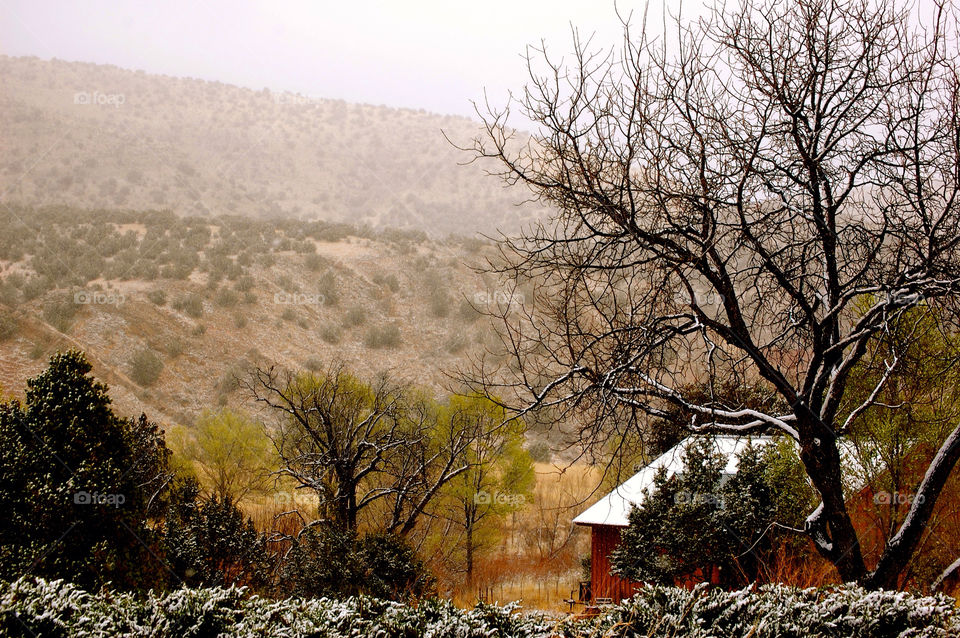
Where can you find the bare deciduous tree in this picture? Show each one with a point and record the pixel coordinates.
(754, 204)
(361, 447)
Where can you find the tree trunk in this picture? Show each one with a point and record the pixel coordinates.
(832, 531)
(469, 555)
(346, 507)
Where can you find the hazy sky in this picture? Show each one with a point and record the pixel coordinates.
(428, 54)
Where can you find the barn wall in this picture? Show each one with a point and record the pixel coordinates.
(604, 583)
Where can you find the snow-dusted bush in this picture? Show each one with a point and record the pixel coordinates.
(35, 607)
(774, 611)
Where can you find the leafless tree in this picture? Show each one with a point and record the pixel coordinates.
(361, 447)
(753, 199)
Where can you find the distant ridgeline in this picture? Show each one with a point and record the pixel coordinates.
(99, 136)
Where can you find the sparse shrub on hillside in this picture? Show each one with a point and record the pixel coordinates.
(173, 347)
(249, 297)
(474, 244)
(314, 262)
(191, 305)
(304, 247)
(456, 343)
(333, 233)
(221, 266)
(286, 284)
(267, 260)
(402, 236)
(8, 325)
(59, 312)
(35, 287)
(15, 279)
(468, 312)
(145, 367)
(314, 364)
(382, 337)
(157, 296)
(439, 302)
(327, 286)
(244, 283)
(226, 298)
(8, 294)
(288, 314)
(330, 334)
(390, 281)
(141, 269)
(229, 381)
(239, 320)
(437, 298)
(354, 317)
(178, 271)
(199, 330)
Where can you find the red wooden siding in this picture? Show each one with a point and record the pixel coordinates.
(604, 583)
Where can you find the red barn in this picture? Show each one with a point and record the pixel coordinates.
(609, 516)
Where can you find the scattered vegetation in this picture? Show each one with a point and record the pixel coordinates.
(354, 317)
(145, 367)
(330, 334)
(157, 296)
(191, 305)
(226, 298)
(387, 336)
(59, 312)
(8, 325)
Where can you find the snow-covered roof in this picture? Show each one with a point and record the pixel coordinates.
(614, 508)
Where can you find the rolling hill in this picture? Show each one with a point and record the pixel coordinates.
(171, 310)
(97, 136)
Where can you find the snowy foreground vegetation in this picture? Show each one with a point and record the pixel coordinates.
(35, 607)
